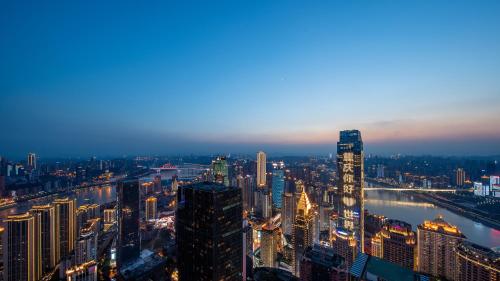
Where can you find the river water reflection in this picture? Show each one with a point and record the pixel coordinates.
(403, 206)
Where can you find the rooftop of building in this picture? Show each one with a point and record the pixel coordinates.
(488, 255)
(146, 262)
(324, 256)
(273, 274)
(209, 186)
(441, 226)
(382, 269)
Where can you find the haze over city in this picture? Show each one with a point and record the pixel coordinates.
(80, 79)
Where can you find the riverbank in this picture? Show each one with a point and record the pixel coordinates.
(459, 210)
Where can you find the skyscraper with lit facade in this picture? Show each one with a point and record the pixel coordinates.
(350, 165)
(397, 243)
(22, 260)
(288, 212)
(151, 203)
(460, 180)
(278, 184)
(209, 232)
(436, 241)
(32, 160)
(261, 169)
(220, 171)
(302, 233)
(270, 241)
(65, 210)
(48, 233)
(476, 263)
(128, 209)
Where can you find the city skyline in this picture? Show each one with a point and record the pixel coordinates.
(107, 79)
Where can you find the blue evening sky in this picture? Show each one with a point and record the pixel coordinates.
(128, 77)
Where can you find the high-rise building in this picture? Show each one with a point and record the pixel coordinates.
(368, 267)
(220, 171)
(263, 203)
(436, 241)
(476, 263)
(270, 241)
(278, 184)
(48, 234)
(66, 223)
(86, 246)
(302, 236)
(397, 243)
(151, 208)
(288, 213)
(83, 272)
(460, 180)
(246, 184)
(350, 165)
(32, 160)
(345, 244)
(22, 251)
(209, 232)
(322, 263)
(157, 183)
(261, 169)
(128, 210)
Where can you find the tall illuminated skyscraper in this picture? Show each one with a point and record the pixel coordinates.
(437, 240)
(261, 169)
(66, 223)
(350, 165)
(288, 212)
(302, 236)
(21, 259)
(32, 160)
(270, 239)
(128, 209)
(220, 171)
(151, 208)
(278, 184)
(209, 232)
(48, 234)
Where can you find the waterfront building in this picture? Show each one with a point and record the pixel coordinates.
(151, 204)
(460, 177)
(322, 263)
(128, 210)
(476, 263)
(86, 212)
(288, 213)
(65, 210)
(270, 241)
(220, 171)
(278, 184)
(86, 246)
(22, 260)
(397, 243)
(83, 272)
(48, 234)
(302, 234)
(436, 241)
(32, 160)
(350, 165)
(209, 232)
(261, 169)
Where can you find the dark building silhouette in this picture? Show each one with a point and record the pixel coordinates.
(209, 232)
(322, 263)
(128, 207)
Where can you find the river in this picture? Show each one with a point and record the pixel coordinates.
(405, 207)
